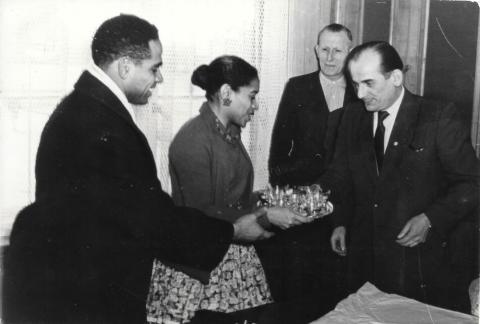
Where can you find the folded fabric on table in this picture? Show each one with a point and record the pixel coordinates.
(370, 305)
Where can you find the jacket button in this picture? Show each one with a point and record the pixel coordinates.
(151, 188)
(375, 205)
(444, 244)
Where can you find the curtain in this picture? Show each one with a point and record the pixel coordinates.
(45, 45)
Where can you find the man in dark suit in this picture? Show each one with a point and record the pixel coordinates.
(300, 262)
(413, 176)
(305, 128)
(83, 251)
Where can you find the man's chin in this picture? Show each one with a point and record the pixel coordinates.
(139, 101)
(330, 71)
(371, 108)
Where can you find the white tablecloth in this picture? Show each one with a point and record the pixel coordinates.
(372, 306)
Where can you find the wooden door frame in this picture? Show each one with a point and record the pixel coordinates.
(476, 99)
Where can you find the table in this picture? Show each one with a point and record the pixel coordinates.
(368, 305)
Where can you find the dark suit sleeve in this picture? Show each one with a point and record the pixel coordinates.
(190, 238)
(461, 170)
(282, 137)
(103, 176)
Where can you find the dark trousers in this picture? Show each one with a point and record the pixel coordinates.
(299, 263)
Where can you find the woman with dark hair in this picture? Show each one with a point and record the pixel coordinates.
(211, 170)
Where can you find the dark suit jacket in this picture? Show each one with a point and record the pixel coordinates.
(429, 167)
(304, 132)
(83, 251)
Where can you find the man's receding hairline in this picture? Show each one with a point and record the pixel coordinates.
(357, 57)
(364, 52)
(333, 32)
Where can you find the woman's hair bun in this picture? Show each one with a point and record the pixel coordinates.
(200, 76)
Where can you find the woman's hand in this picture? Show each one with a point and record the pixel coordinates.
(285, 218)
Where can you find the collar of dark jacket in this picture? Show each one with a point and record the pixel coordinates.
(92, 87)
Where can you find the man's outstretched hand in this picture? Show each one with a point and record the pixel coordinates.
(247, 229)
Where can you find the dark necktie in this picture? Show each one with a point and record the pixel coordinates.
(379, 138)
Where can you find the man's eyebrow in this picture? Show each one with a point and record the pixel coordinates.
(366, 80)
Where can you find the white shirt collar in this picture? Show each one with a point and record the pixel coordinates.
(339, 82)
(108, 82)
(393, 109)
(390, 119)
(333, 91)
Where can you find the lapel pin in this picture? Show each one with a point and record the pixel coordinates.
(416, 148)
(395, 143)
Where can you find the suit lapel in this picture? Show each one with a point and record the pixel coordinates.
(350, 94)
(366, 144)
(321, 114)
(363, 147)
(401, 135)
(92, 87)
(334, 119)
(316, 92)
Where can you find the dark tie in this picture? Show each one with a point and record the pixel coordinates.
(379, 138)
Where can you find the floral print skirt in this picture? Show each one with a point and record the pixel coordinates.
(237, 283)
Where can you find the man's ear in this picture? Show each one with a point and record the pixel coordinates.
(397, 76)
(124, 67)
(316, 49)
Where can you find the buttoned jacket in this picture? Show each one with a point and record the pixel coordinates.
(304, 133)
(429, 167)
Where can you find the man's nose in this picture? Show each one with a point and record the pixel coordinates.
(158, 77)
(361, 92)
(329, 55)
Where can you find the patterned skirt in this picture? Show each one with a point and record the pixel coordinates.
(237, 283)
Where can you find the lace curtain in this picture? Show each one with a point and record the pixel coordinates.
(44, 46)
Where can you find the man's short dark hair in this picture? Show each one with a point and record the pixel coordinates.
(335, 28)
(389, 58)
(123, 35)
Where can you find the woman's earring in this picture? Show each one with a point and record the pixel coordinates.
(227, 102)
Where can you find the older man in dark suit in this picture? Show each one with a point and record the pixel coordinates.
(414, 176)
(299, 262)
(83, 252)
(309, 112)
